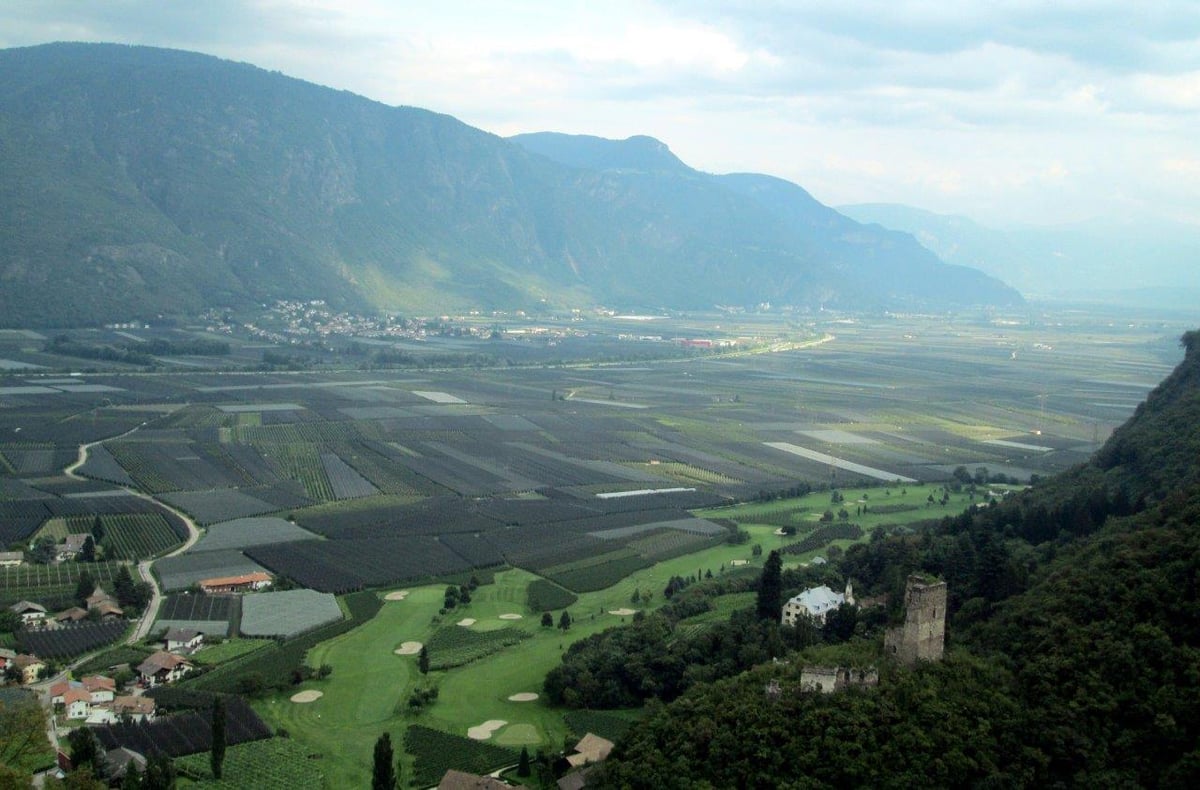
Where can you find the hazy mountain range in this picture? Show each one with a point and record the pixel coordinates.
(1130, 261)
(137, 181)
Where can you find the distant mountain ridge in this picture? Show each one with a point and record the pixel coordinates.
(138, 181)
(1149, 262)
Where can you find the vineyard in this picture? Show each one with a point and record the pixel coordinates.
(454, 646)
(53, 586)
(210, 614)
(269, 764)
(136, 536)
(823, 536)
(186, 733)
(101, 663)
(70, 640)
(546, 596)
(436, 752)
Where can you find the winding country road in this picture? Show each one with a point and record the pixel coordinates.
(144, 567)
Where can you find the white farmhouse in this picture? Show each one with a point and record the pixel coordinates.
(816, 602)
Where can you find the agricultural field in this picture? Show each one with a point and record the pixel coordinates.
(52, 585)
(212, 615)
(270, 764)
(576, 474)
(287, 614)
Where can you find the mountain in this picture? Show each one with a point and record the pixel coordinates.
(1136, 262)
(1073, 642)
(137, 181)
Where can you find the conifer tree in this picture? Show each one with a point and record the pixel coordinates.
(769, 604)
(383, 774)
(218, 737)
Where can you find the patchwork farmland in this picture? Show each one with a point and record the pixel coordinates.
(560, 482)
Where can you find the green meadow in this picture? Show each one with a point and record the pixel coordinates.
(368, 691)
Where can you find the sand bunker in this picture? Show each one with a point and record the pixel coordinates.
(511, 616)
(409, 649)
(307, 696)
(398, 595)
(524, 696)
(484, 731)
(466, 621)
(622, 612)
(779, 532)
(738, 563)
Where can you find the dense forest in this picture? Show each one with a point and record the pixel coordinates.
(1073, 647)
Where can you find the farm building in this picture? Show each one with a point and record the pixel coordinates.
(30, 613)
(590, 749)
(11, 559)
(72, 615)
(77, 702)
(135, 709)
(461, 780)
(70, 547)
(104, 603)
(163, 667)
(244, 583)
(30, 666)
(182, 640)
(816, 602)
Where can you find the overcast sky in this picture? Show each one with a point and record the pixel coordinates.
(1003, 111)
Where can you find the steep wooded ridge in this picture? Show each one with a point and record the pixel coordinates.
(1073, 656)
(136, 181)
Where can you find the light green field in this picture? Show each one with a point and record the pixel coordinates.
(368, 691)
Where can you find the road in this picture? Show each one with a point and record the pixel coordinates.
(144, 567)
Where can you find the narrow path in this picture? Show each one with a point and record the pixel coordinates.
(143, 567)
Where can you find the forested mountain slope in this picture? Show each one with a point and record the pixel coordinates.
(138, 181)
(1074, 646)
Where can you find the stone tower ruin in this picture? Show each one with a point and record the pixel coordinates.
(922, 636)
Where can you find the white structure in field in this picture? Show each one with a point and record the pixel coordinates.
(816, 602)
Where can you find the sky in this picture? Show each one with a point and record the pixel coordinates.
(1006, 111)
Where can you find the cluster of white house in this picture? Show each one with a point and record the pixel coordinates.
(94, 700)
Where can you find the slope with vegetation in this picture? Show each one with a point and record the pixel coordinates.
(136, 182)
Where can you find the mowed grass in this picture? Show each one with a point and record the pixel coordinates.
(367, 694)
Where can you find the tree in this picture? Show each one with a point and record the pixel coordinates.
(97, 530)
(547, 620)
(769, 603)
(87, 751)
(523, 763)
(160, 773)
(87, 552)
(123, 586)
(383, 774)
(85, 587)
(43, 551)
(423, 660)
(564, 622)
(22, 732)
(218, 737)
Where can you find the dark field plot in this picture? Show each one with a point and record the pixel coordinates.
(53, 586)
(179, 573)
(103, 466)
(390, 516)
(221, 504)
(342, 565)
(71, 640)
(210, 614)
(243, 532)
(186, 733)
